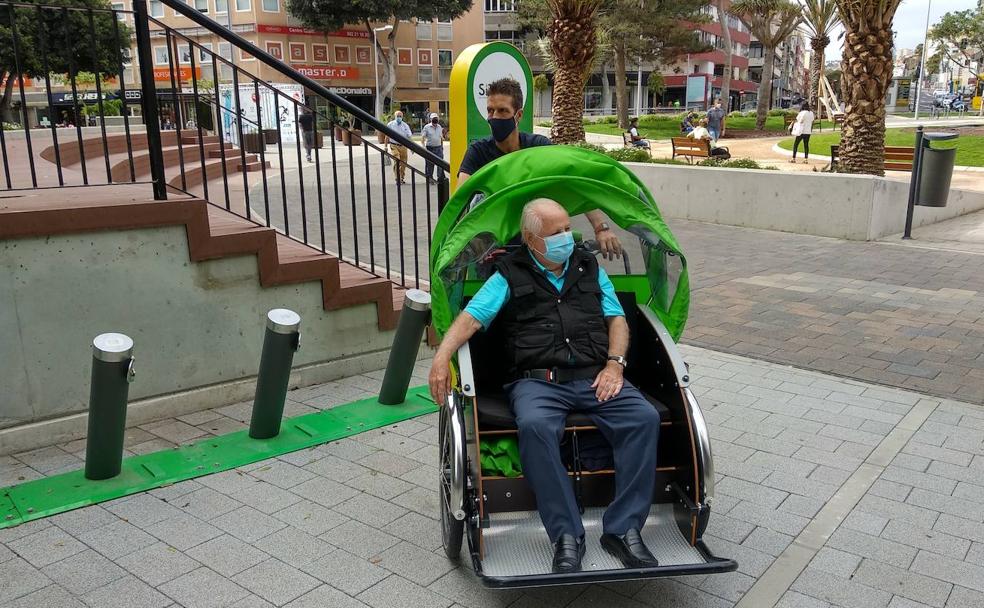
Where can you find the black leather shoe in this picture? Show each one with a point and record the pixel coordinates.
(630, 549)
(568, 552)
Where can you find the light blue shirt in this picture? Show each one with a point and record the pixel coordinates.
(402, 127)
(495, 292)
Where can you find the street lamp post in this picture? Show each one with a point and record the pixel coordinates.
(922, 60)
(375, 66)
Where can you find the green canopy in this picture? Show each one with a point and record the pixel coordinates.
(579, 179)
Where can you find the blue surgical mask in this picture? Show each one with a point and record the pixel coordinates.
(559, 247)
(399, 119)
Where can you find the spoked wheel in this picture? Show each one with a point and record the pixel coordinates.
(452, 529)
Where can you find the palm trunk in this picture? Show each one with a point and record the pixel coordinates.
(621, 90)
(606, 88)
(568, 108)
(816, 67)
(573, 42)
(765, 88)
(728, 67)
(867, 69)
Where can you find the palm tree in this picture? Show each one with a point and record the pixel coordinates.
(820, 18)
(867, 69)
(573, 39)
(771, 22)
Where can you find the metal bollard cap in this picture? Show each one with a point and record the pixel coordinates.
(112, 347)
(283, 321)
(416, 299)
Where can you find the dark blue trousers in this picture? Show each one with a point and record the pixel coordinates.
(628, 422)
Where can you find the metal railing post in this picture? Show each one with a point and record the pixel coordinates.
(914, 180)
(112, 372)
(149, 92)
(280, 341)
(406, 344)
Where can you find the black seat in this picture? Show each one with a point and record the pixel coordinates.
(494, 411)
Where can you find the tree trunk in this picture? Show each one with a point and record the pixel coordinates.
(621, 90)
(387, 80)
(573, 42)
(765, 88)
(606, 88)
(816, 68)
(867, 69)
(728, 67)
(6, 111)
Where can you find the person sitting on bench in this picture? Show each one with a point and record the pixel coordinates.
(637, 140)
(566, 338)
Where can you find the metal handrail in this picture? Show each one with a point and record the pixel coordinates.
(262, 56)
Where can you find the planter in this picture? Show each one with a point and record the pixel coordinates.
(253, 142)
(352, 138)
(381, 137)
(319, 141)
(338, 133)
(271, 136)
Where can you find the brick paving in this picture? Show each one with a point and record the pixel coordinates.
(901, 316)
(353, 523)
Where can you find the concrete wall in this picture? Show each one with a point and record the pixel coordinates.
(197, 328)
(856, 207)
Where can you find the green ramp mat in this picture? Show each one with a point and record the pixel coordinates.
(52, 495)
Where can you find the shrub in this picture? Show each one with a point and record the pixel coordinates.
(587, 146)
(609, 120)
(630, 155)
(735, 163)
(545, 123)
(11, 126)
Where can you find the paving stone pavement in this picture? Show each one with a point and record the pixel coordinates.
(353, 523)
(900, 316)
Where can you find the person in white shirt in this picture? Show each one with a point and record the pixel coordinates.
(637, 140)
(701, 132)
(398, 150)
(432, 137)
(801, 129)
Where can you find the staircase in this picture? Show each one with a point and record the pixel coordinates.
(212, 233)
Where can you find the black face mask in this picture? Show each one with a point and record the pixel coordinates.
(502, 128)
(434, 121)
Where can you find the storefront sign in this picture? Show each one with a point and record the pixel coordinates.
(306, 31)
(277, 103)
(70, 97)
(323, 72)
(182, 73)
(476, 67)
(350, 90)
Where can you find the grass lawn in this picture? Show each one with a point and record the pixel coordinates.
(665, 129)
(970, 148)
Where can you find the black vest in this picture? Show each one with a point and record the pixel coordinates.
(547, 329)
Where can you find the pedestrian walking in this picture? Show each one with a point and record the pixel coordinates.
(306, 121)
(715, 120)
(399, 151)
(801, 129)
(432, 138)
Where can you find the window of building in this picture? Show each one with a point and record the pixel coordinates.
(276, 49)
(425, 30)
(343, 53)
(127, 54)
(156, 8)
(201, 6)
(425, 57)
(404, 56)
(298, 51)
(118, 7)
(271, 6)
(511, 36)
(500, 6)
(363, 55)
(244, 5)
(319, 52)
(444, 31)
(221, 6)
(160, 55)
(425, 75)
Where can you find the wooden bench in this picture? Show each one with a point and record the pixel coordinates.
(627, 140)
(686, 146)
(897, 158)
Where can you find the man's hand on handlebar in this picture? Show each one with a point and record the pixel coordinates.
(608, 244)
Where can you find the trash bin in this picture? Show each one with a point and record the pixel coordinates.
(271, 136)
(936, 170)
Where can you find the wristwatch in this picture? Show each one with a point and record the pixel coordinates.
(602, 227)
(618, 359)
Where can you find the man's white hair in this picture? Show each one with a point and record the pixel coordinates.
(532, 222)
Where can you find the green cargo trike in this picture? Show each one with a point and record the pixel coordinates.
(484, 498)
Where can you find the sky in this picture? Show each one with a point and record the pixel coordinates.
(909, 23)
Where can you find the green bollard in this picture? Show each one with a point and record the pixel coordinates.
(406, 343)
(112, 373)
(280, 341)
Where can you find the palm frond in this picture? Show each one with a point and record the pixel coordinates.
(820, 17)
